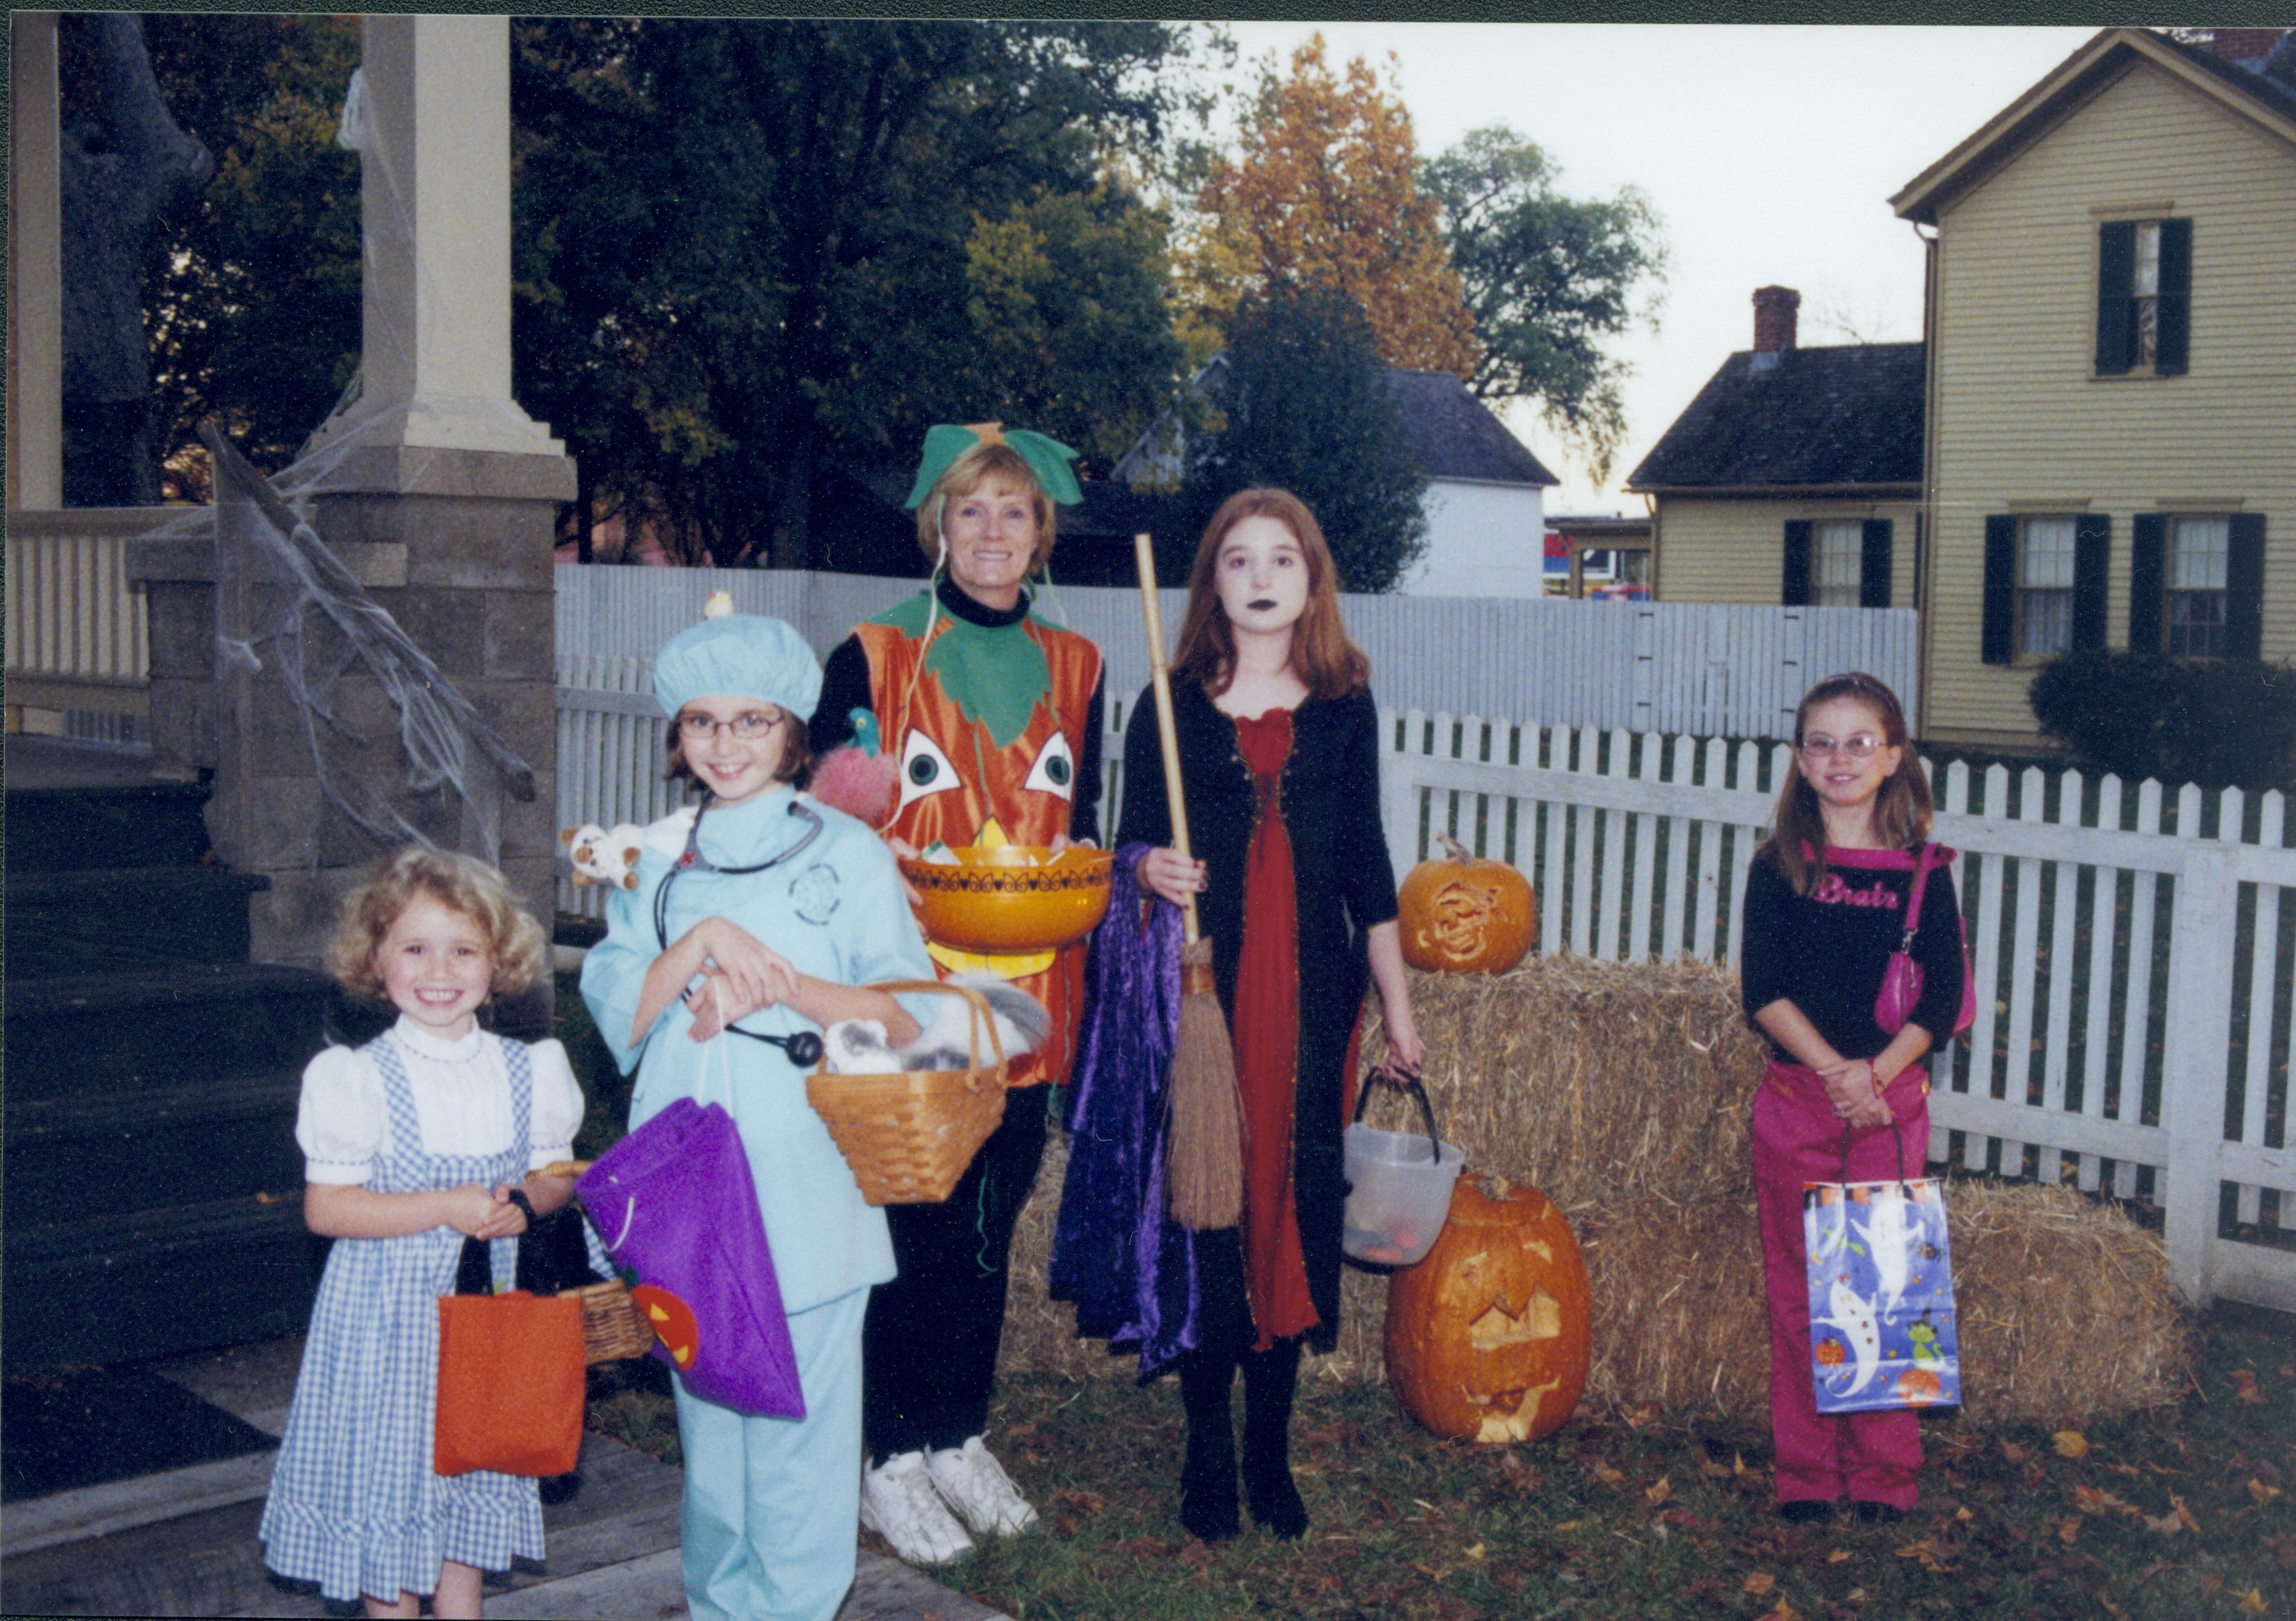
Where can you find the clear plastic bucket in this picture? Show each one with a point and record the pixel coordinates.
(1399, 1193)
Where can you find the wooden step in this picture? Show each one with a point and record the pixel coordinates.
(76, 829)
(166, 1027)
(155, 1282)
(124, 920)
(102, 1153)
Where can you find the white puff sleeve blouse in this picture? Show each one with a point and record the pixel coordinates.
(462, 1103)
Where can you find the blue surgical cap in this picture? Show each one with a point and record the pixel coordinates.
(743, 655)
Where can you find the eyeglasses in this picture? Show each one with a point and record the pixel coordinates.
(747, 727)
(1859, 746)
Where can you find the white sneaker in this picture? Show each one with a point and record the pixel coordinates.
(899, 1504)
(977, 1488)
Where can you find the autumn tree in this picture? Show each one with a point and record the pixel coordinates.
(1324, 193)
(1304, 403)
(1547, 277)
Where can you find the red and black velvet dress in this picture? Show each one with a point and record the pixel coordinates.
(1284, 811)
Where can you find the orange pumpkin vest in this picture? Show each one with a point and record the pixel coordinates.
(956, 778)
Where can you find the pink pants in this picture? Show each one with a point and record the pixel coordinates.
(1875, 1457)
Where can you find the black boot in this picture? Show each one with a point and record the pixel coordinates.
(1270, 1376)
(1208, 1478)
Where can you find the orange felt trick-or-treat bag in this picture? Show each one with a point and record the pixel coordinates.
(509, 1384)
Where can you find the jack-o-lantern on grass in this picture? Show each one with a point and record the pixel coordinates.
(1463, 914)
(1488, 1337)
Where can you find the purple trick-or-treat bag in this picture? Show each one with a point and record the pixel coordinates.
(675, 1206)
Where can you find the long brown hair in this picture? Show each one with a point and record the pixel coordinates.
(1329, 665)
(1902, 808)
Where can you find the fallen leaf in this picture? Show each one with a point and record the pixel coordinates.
(1737, 1463)
(1782, 1612)
(1926, 1552)
(2070, 1444)
(1657, 1490)
(2110, 1608)
(2068, 1531)
(1963, 1514)
(2212, 1581)
(2014, 1453)
(2262, 1493)
(1838, 1557)
(1608, 1476)
(1856, 1595)
(1570, 1525)
(2251, 1602)
(1476, 1551)
(1640, 1417)
(2244, 1388)
(1755, 1585)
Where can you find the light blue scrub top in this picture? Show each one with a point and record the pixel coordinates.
(837, 911)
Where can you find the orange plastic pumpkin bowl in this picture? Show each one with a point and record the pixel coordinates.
(1462, 914)
(1488, 1338)
(992, 900)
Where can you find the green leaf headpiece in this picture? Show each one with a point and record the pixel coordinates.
(1046, 457)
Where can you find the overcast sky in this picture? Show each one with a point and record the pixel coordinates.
(1770, 153)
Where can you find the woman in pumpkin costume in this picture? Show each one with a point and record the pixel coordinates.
(1279, 755)
(994, 718)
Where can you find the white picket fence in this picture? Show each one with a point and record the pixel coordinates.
(2140, 959)
(1705, 668)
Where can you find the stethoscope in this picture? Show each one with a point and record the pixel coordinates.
(803, 1047)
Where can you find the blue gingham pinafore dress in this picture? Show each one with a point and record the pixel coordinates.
(354, 1504)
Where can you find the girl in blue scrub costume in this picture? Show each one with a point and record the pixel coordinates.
(781, 910)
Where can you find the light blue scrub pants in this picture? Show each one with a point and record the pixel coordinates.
(772, 1506)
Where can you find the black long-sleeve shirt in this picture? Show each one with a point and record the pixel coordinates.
(845, 688)
(1826, 952)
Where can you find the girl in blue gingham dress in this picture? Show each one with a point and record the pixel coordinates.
(413, 1142)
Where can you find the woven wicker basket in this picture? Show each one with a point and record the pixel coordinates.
(909, 1136)
(614, 1329)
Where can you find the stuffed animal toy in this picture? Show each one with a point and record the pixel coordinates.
(603, 855)
(858, 1046)
(860, 779)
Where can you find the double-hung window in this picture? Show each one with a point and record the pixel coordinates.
(2144, 297)
(2044, 586)
(2199, 551)
(1838, 548)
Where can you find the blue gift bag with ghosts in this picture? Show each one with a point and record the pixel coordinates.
(1882, 1328)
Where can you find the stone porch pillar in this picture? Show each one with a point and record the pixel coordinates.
(35, 268)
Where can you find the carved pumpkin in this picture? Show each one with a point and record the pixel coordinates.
(671, 1320)
(1488, 1337)
(1463, 914)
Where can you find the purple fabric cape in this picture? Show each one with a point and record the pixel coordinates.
(1134, 1273)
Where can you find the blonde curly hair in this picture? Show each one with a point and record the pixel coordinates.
(515, 942)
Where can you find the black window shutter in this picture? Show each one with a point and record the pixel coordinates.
(2173, 308)
(2116, 317)
(1796, 593)
(1873, 566)
(2148, 561)
(2000, 637)
(2245, 588)
(2092, 563)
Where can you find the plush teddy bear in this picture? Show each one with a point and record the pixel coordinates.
(603, 855)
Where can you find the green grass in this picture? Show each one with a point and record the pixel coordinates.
(1660, 1520)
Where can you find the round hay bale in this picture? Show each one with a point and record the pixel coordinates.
(1585, 1078)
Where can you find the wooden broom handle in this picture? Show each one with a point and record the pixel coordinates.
(1143, 552)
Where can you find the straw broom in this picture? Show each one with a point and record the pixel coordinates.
(1204, 1128)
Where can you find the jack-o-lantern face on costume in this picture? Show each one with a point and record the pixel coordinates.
(1488, 1337)
(671, 1320)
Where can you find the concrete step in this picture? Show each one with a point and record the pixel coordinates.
(74, 829)
(169, 1026)
(124, 920)
(154, 1282)
(107, 1153)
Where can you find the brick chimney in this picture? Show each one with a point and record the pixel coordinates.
(2243, 44)
(1775, 310)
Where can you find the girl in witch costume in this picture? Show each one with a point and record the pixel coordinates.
(1279, 758)
(993, 716)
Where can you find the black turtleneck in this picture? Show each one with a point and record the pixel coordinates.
(845, 688)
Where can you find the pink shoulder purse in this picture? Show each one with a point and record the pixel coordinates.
(1901, 981)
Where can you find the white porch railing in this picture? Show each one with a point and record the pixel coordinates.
(76, 626)
(2135, 958)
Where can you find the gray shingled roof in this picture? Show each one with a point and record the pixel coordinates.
(1450, 434)
(1848, 414)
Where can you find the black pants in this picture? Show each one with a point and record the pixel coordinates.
(929, 1346)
